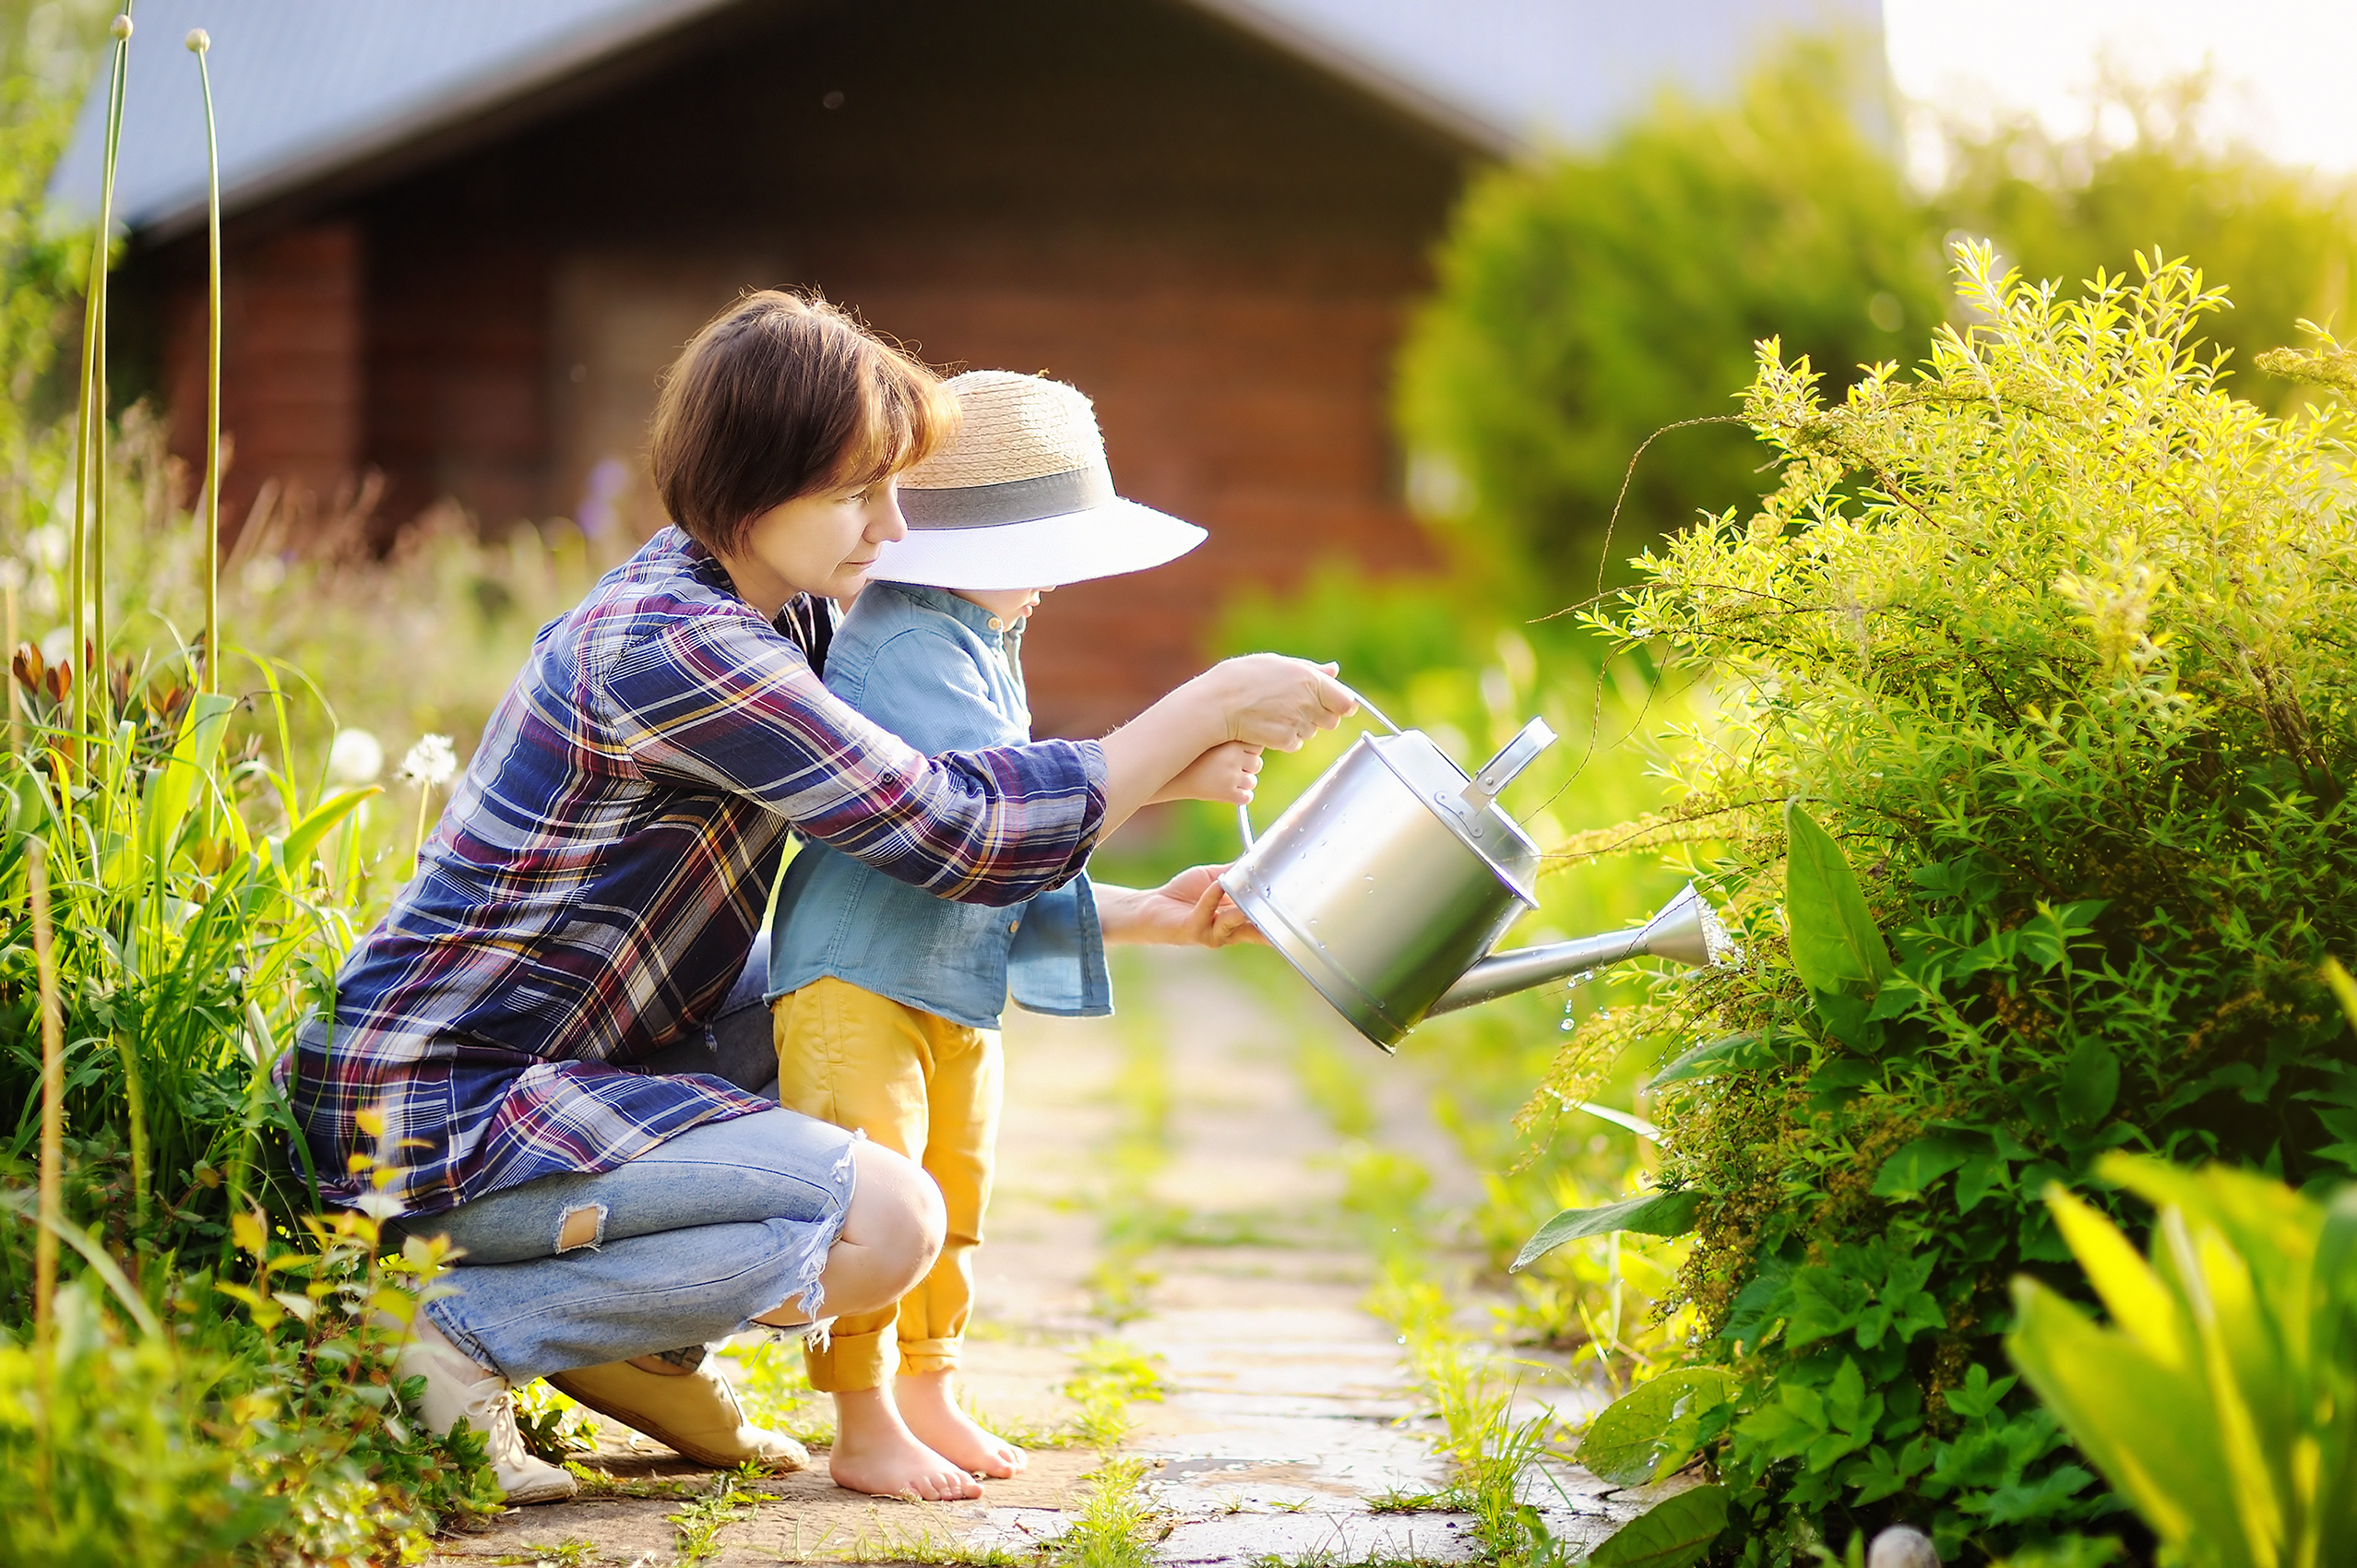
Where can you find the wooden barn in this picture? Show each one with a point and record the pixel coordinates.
(463, 237)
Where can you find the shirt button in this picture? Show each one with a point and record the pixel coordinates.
(997, 624)
(1011, 927)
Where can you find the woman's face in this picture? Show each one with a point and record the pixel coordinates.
(821, 544)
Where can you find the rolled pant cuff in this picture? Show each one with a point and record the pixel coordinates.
(929, 1355)
(851, 1361)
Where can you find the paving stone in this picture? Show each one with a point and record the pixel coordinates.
(1287, 1408)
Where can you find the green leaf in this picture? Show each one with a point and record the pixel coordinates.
(2149, 1427)
(2091, 1082)
(172, 789)
(1674, 1533)
(1836, 946)
(1845, 1019)
(1649, 1214)
(1655, 1426)
(1838, 1082)
(303, 840)
(1915, 1166)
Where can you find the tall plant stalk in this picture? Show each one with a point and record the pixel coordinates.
(89, 445)
(200, 45)
(52, 1095)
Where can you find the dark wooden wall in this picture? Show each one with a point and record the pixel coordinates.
(1215, 240)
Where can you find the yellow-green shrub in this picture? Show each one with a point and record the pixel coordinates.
(2050, 636)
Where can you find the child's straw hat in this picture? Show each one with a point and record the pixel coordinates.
(1022, 498)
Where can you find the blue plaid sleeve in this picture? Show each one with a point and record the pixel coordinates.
(721, 702)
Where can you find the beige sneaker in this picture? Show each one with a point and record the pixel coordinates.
(695, 1413)
(457, 1388)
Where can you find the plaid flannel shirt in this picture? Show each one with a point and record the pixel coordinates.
(594, 886)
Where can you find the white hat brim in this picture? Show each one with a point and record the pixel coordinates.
(1103, 541)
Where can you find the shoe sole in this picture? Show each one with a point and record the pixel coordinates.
(548, 1493)
(636, 1422)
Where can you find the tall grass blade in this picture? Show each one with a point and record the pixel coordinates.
(52, 1097)
(209, 518)
(89, 444)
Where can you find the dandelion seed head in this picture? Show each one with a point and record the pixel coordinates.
(355, 757)
(431, 763)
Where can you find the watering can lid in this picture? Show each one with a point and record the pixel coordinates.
(1440, 784)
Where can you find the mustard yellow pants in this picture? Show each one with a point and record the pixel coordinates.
(927, 1088)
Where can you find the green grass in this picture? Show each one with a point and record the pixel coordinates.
(570, 1553)
(1386, 1192)
(773, 1385)
(1118, 1526)
(700, 1523)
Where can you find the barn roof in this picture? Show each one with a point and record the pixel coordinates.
(303, 91)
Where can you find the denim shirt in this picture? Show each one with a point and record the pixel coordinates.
(925, 664)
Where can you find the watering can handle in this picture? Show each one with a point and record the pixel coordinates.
(1244, 812)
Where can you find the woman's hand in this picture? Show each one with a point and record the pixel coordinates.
(1227, 773)
(1188, 910)
(1267, 699)
(1261, 699)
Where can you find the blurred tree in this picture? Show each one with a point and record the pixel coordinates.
(1588, 300)
(47, 49)
(2149, 172)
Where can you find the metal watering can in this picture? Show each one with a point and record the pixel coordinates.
(1390, 880)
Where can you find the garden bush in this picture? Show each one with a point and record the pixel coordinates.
(2284, 239)
(1587, 300)
(2052, 637)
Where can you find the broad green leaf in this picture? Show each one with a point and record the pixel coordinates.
(1919, 1164)
(174, 786)
(2132, 1292)
(2149, 1430)
(1984, 1173)
(1839, 1080)
(1836, 946)
(2091, 1082)
(1846, 1016)
(1649, 1214)
(1676, 1532)
(1653, 1425)
(2344, 989)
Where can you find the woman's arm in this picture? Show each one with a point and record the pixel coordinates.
(721, 702)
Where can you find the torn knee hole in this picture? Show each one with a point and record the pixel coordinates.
(583, 1226)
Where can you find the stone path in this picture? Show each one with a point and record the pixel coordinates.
(1284, 1400)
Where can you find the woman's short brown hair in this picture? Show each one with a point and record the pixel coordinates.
(782, 396)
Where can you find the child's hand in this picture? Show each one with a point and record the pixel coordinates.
(1227, 773)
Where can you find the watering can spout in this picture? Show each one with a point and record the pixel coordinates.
(1685, 931)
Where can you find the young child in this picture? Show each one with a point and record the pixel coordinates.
(887, 996)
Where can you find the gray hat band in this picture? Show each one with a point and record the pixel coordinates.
(1015, 500)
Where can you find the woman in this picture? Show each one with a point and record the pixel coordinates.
(591, 894)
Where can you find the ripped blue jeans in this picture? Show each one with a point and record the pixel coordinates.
(685, 1245)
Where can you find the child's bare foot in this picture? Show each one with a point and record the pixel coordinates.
(928, 1404)
(875, 1452)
